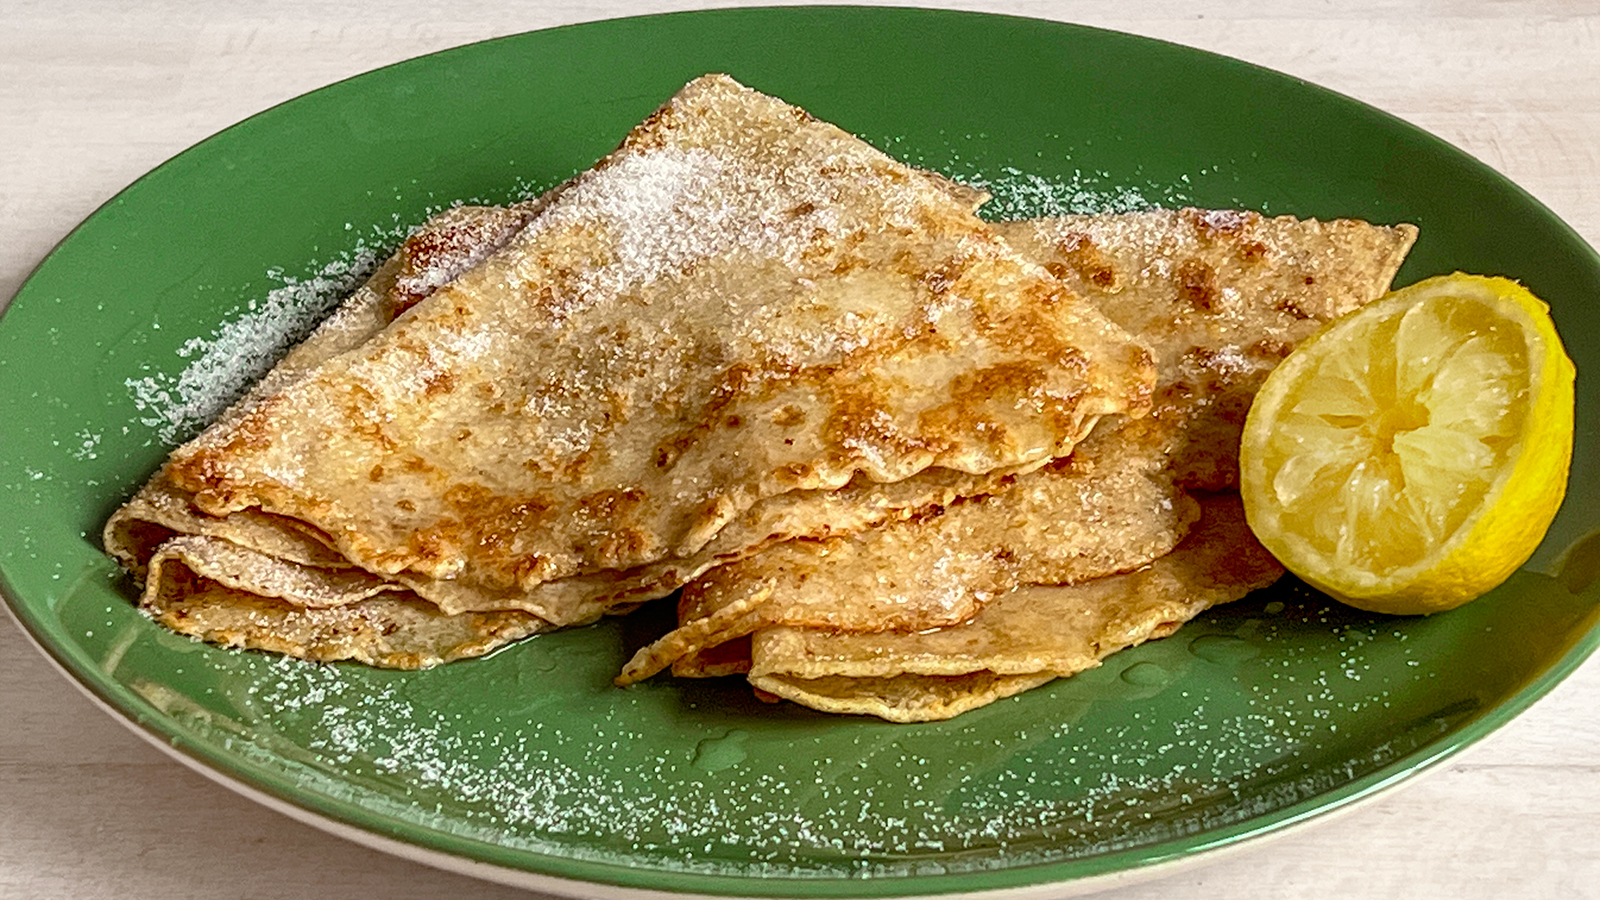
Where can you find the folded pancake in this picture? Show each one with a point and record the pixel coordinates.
(1218, 296)
(261, 581)
(256, 580)
(1103, 509)
(441, 248)
(742, 325)
(1026, 638)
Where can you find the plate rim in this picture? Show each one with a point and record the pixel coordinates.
(410, 839)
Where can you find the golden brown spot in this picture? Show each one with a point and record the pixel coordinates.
(1268, 348)
(1253, 251)
(428, 545)
(1289, 306)
(376, 474)
(415, 463)
(1211, 223)
(358, 411)
(818, 246)
(1073, 359)
(651, 134)
(941, 278)
(498, 522)
(531, 569)
(406, 505)
(618, 405)
(669, 451)
(860, 419)
(947, 423)
(1140, 400)
(789, 417)
(374, 432)
(207, 469)
(438, 382)
(579, 465)
(736, 382)
(849, 262)
(468, 497)
(1081, 256)
(797, 473)
(612, 503)
(623, 546)
(445, 247)
(717, 508)
(1017, 378)
(1197, 285)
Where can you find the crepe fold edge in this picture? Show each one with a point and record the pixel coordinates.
(1062, 630)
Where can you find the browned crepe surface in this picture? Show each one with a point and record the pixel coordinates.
(1106, 508)
(1219, 297)
(744, 325)
(268, 582)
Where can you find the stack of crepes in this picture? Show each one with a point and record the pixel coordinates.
(1136, 532)
(748, 353)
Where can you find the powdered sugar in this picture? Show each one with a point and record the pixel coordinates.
(1022, 195)
(662, 215)
(666, 209)
(239, 351)
(532, 751)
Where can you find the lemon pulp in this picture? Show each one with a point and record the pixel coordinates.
(1411, 456)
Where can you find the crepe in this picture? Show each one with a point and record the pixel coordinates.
(742, 317)
(1218, 296)
(1022, 640)
(261, 581)
(1103, 509)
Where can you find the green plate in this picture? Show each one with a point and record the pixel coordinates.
(527, 766)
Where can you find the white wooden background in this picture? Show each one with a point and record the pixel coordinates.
(93, 94)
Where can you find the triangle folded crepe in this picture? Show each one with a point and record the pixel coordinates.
(741, 326)
(1220, 297)
(256, 580)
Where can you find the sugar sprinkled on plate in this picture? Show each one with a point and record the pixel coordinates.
(1069, 782)
(239, 351)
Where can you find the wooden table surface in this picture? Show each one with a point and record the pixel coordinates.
(93, 94)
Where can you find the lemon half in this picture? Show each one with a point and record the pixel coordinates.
(1410, 456)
